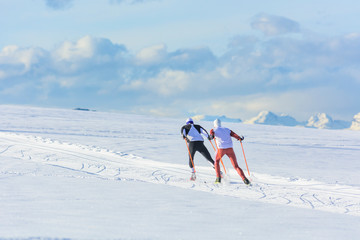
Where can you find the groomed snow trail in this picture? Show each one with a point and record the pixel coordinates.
(107, 164)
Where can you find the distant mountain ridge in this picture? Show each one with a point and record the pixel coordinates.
(324, 121)
(355, 124)
(319, 120)
(269, 118)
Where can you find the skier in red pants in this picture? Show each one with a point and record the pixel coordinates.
(224, 144)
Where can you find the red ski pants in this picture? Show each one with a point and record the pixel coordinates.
(231, 154)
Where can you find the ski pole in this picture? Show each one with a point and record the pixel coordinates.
(245, 158)
(220, 158)
(190, 155)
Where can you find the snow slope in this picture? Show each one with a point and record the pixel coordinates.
(92, 175)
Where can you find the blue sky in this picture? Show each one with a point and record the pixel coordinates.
(179, 58)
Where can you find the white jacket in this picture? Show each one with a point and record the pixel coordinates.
(223, 138)
(193, 132)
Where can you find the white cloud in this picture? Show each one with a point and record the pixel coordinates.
(83, 48)
(15, 55)
(17, 61)
(170, 82)
(272, 25)
(87, 53)
(166, 83)
(88, 47)
(152, 55)
(254, 75)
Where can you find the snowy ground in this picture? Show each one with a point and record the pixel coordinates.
(69, 174)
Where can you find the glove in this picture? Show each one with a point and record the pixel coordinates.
(183, 137)
(210, 137)
(241, 138)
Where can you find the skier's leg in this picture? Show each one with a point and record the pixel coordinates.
(205, 152)
(192, 149)
(231, 154)
(219, 155)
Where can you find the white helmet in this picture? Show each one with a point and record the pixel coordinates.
(217, 123)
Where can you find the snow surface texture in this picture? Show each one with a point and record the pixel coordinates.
(69, 174)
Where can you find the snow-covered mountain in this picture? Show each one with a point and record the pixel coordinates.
(355, 124)
(324, 121)
(269, 118)
(320, 120)
(212, 118)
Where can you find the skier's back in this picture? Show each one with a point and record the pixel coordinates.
(192, 133)
(224, 143)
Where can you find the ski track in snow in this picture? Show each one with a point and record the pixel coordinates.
(107, 164)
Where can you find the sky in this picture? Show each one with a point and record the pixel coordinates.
(180, 58)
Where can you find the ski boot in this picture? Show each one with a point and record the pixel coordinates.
(218, 180)
(246, 181)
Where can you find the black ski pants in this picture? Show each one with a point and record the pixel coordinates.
(198, 146)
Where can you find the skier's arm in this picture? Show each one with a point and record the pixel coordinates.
(234, 135)
(183, 132)
(212, 134)
(205, 133)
